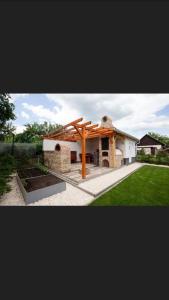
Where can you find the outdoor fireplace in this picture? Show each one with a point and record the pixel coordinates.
(105, 163)
(104, 153)
(59, 159)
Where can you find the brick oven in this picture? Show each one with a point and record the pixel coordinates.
(106, 145)
(59, 159)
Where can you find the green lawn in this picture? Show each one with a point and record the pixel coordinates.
(147, 186)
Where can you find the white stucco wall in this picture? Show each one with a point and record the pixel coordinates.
(129, 149)
(154, 146)
(91, 146)
(120, 145)
(49, 145)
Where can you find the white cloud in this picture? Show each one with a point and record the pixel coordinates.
(19, 128)
(24, 115)
(133, 113)
(61, 116)
(15, 97)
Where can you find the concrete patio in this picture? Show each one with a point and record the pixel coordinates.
(75, 174)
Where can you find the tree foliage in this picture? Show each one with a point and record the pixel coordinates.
(162, 138)
(6, 114)
(34, 131)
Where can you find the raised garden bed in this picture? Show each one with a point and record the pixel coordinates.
(36, 184)
(30, 172)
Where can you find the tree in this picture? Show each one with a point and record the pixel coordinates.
(9, 129)
(6, 114)
(161, 138)
(34, 131)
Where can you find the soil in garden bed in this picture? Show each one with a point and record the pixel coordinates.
(31, 172)
(41, 182)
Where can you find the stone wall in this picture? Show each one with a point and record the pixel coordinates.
(58, 160)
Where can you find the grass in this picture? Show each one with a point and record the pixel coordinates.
(146, 187)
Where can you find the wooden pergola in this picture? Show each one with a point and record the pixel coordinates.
(77, 131)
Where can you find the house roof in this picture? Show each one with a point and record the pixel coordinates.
(74, 130)
(147, 140)
(126, 134)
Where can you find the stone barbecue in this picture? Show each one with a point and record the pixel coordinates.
(59, 159)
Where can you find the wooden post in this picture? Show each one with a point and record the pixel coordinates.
(83, 152)
(114, 151)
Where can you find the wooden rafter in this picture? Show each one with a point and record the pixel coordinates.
(91, 127)
(73, 123)
(84, 124)
(79, 131)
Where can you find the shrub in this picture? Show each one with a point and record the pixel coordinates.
(142, 152)
(159, 159)
(7, 166)
(42, 168)
(38, 148)
(7, 162)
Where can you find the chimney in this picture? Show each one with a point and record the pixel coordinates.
(106, 122)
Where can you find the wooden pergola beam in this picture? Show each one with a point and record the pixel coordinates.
(84, 124)
(77, 136)
(78, 131)
(97, 136)
(91, 127)
(62, 130)
(59, 133)
(73, 122)
(99, 132)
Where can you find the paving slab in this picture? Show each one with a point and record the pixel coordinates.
(100, 184)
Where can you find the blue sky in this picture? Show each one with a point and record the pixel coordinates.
(134, 113)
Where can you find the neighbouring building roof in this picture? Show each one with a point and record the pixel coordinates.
(148, 140)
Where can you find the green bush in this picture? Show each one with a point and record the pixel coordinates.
(159, 159)
(7, 166)
(7, 162)
(42, 168)
(4, 186)
(38, 148)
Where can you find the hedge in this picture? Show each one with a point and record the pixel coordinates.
(158, 159)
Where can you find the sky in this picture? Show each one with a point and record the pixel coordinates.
(136, 114)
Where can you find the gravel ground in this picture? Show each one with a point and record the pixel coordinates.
(72, 196)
